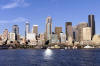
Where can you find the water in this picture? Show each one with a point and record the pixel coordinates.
(29, 57)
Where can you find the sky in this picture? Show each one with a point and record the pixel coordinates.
(36, 11)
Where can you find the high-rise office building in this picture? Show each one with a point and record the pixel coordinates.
(69, 30)
(5, 35)
(86, 33)
(91, 23)
(27, 28)
(16, 31)
(35, 29)
(80, 30)
(75, 33)
(48, 28)
(58, 30)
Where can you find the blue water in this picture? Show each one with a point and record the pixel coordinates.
(30, 57)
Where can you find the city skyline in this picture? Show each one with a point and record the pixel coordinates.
(75, 36)
(49, 32)
(28, 29)
(29, 10)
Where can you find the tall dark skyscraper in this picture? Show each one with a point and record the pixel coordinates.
(16, 31)
(91, 23)
(75, 33)
(68, 29)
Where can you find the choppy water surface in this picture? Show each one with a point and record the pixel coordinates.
(29, 57)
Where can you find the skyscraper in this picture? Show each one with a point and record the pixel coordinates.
(48, 28)
(75, 33)
(69, 30)
(80, 30)
(58, 30)
(27, 28)
(35, 29)
(16, 31)
(5, 35)
(87, 33)
(91, 23)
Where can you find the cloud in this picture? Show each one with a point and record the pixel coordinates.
(17, 20)
(15, 3)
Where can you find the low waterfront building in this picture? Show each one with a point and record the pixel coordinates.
(12, 36)
(22, 40)
(31, 38)
(54, 39)
(76, 43)
(89, 42)
(96, 39)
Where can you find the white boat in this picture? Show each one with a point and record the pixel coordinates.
(66, 48)
(88, 46)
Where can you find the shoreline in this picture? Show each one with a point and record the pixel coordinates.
(45, 49)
